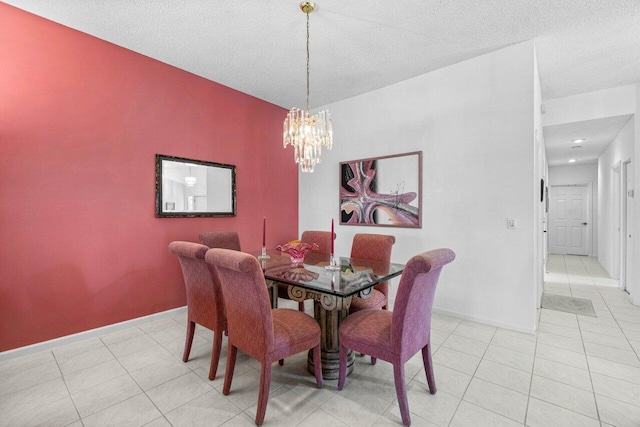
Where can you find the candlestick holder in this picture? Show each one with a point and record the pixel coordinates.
(333, 264)
(264, 256)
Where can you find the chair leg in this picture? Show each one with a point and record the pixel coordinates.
(401, 391)
(342, 371)
(191, 328)
(281, 362)
(215, 354)
(263, 396)
(301, 306)
(373, 360)
(317, 365)
(428, 368)
(232, 351)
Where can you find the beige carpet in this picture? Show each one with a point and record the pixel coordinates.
(568, 304)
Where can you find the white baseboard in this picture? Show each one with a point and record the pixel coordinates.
(531, 331)
(68, 339)
(476, 319)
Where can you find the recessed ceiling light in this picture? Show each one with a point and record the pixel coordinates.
(578, 141)
(572, 160)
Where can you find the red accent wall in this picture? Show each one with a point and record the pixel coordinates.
(80, 123)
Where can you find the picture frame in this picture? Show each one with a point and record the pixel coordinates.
(382, 191)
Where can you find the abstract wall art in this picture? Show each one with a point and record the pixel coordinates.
(382, 191)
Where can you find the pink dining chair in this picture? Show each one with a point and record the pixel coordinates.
(323, 239)
(205, 303)
(375, 247)
(261, 332)
(395, 336)
(221, 239)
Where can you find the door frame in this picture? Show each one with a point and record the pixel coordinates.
(616, 226)
(623, 221)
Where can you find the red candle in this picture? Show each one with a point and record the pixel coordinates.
(332, 234)
(264, 232)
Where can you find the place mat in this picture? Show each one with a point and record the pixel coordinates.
(568, 304)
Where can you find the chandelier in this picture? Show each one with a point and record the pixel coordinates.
(306, 133)
(190, 180)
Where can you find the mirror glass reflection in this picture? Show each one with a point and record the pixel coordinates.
(187, 187)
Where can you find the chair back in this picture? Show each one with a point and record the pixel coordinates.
(322, 238)
(411, 322)
(205, 301)
(249, 318)
(221, 239)
(376, 247)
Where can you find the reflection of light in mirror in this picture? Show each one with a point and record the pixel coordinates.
(190, 180)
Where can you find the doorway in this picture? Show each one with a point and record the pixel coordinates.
(569, 222)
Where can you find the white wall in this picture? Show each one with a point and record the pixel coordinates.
(620, 150)
(616, 101)
(474, 123)
(581, 174)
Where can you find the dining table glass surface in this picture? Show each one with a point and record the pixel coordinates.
(353, 277)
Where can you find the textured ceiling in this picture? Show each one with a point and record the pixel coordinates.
(598, 134)
(259, 47)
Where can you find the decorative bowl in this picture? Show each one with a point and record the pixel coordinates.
(297, 251)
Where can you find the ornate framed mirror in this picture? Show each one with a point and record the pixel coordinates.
(194, 188)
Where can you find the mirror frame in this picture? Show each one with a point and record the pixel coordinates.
(159, 202)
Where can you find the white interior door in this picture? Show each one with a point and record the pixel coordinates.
(569, 220)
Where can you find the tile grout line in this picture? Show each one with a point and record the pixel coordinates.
(64, 381)
(134, 380)
(474, 376)
(593, 389)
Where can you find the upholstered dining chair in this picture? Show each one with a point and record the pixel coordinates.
(376, 247)
(323, 240)
(205, 303)
(261, 332)
(396, 336)
(221, 239)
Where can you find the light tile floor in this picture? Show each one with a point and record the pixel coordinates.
(577, 371)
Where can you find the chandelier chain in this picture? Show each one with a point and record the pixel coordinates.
(308, 61)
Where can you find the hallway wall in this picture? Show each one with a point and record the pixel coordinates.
(621, 149)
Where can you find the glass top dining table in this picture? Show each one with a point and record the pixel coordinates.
(353, 278)
(331, 292)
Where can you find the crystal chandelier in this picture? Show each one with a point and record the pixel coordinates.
(190, 180)
(306, 133)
